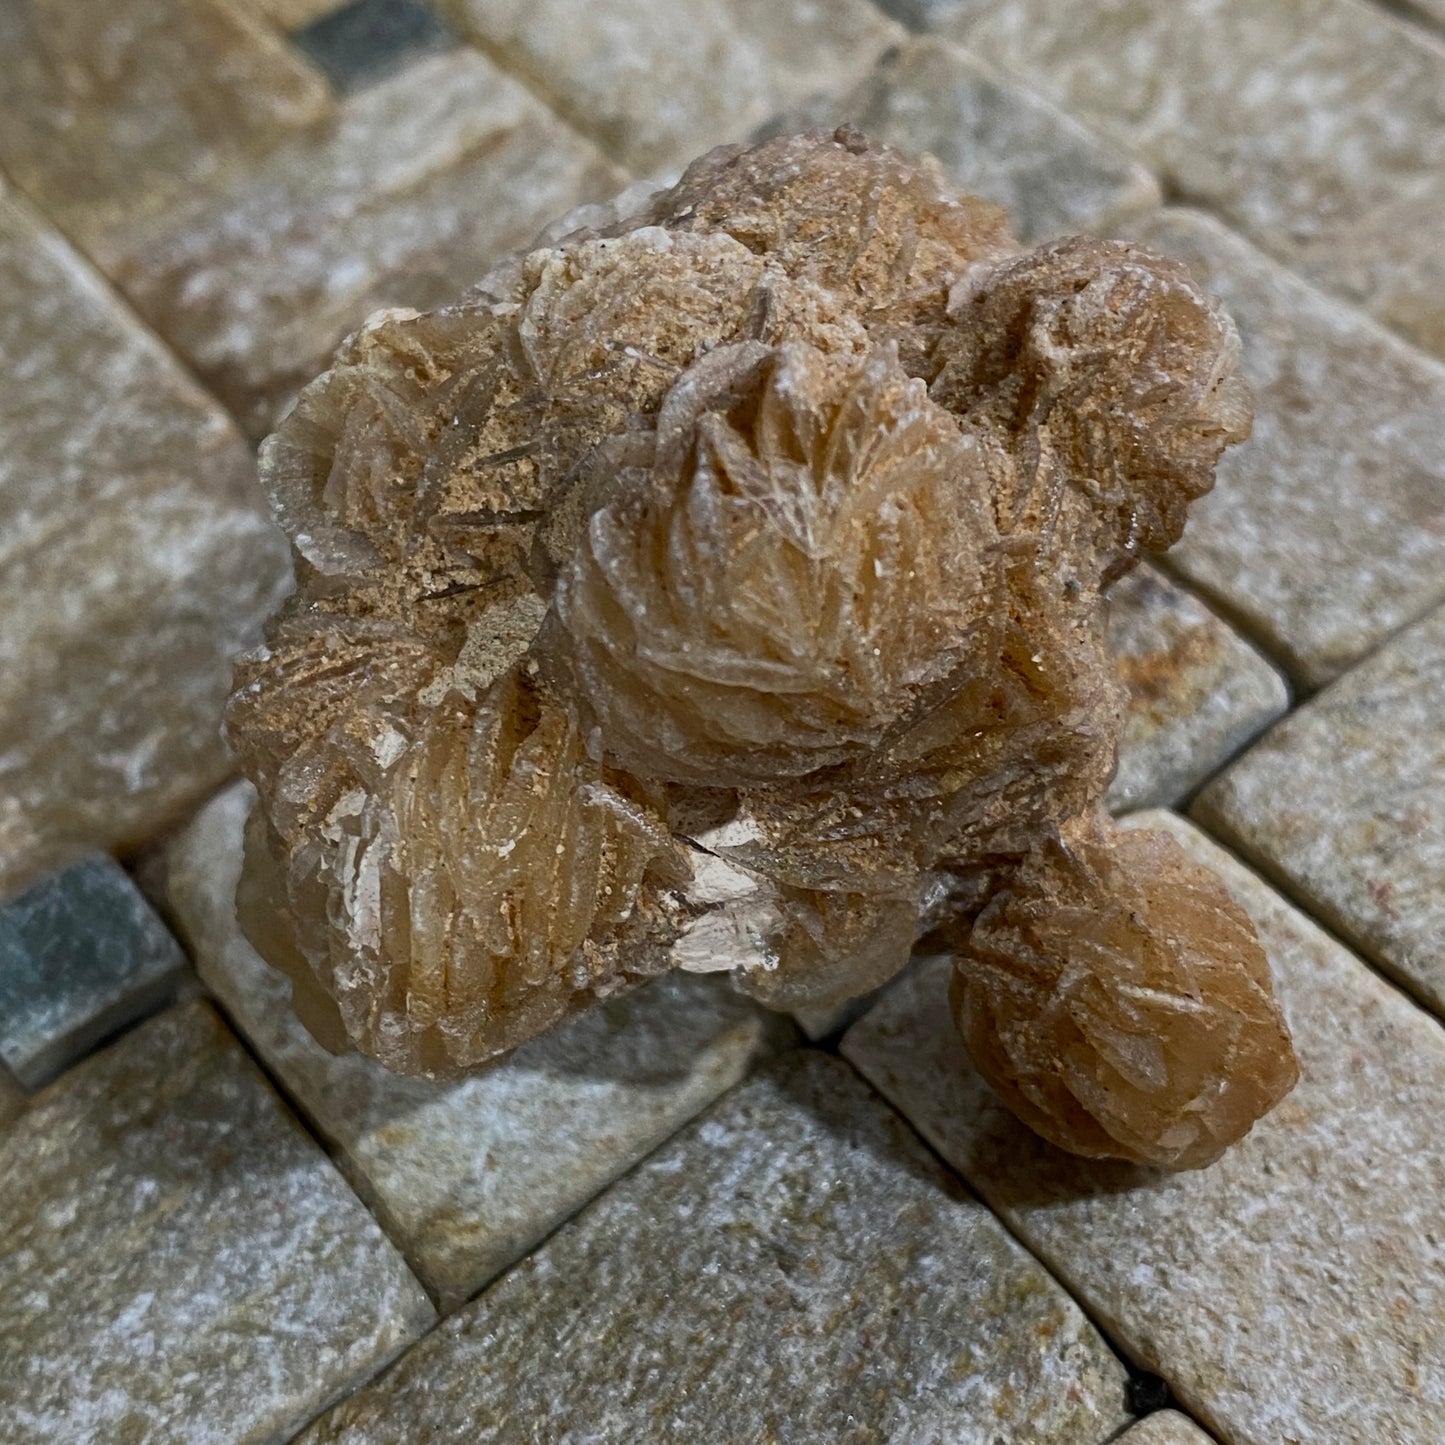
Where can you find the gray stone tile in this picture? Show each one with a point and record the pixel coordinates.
(178, 1261)
(81, 954)
(1165, 1427)
(794, 1267)
(1326, 530)
(467, 1177)
(404, 200)
(356, 45)
(116, 111)
(995, 139)
(135, 560)
(1344, 802)
(1315, 126)
(1197, 691)
(1295, 1290)
(657, 84)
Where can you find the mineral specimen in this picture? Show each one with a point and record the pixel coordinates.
(719, 584)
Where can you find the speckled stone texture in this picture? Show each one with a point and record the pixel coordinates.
(1314, 126)
(1197, 691)
(404, 199)
(794, 1267)
(995, 139)
(178, 1261)
(81, 955)
(467, 1177)
(116, 111)
(135, 560)
(1345, 802)
(1165, 1427)
(656, 85)
(1325, 531)
(1295, 1290)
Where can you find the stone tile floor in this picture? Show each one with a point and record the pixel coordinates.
(678, 1219)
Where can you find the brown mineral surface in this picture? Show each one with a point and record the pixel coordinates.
(720, 586)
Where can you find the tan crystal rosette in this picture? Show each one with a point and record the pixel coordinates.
(720, 585)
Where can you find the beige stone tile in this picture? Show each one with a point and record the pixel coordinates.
(1165, 1427)
(112, 111)
(467, 1177)
(1326, 530)
(1295, 1290)
(178, 1261)
(1197, 691)
(792, 1267)
(1345, 802)
(1316, 126)
(404, 200)
(996, 139)
(657, 84)
(135, 560)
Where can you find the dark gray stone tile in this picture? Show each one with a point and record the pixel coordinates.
(368, 39)
(81, 954)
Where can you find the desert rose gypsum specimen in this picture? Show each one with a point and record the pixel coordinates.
(720, 585)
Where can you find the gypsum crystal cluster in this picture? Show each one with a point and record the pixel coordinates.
(720, 584)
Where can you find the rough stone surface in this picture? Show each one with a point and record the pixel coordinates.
(1296, 1289)
(1326, 531)
(467, 1177)
(1345, 802)
(114, 112)
(995, 139)
(135, 560)
(1165, 1427)
(404, 199)
(1314, 126)
(1197, 691)
(793, 1267)
(178, 1262)
(81, 955)
(655, 85)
